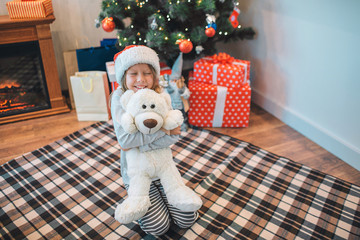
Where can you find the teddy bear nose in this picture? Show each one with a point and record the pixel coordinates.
(150, 123)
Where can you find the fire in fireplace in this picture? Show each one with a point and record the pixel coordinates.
(22, 81)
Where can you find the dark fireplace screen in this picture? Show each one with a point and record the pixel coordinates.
(22, 81)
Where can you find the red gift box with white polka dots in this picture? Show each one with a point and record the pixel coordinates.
(224, 71)
(218, 106)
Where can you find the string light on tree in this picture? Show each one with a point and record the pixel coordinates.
(140, 4)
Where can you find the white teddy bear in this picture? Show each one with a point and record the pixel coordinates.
(147, 111)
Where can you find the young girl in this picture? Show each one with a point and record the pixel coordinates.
(137, 67)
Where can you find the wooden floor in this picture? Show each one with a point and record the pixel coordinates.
(265, 131)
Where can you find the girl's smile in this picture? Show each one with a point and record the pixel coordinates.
(139, 76)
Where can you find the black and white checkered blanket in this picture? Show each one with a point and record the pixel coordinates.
(69, 190)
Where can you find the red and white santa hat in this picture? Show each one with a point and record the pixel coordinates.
(135, 54)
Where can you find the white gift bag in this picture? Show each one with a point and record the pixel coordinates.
(91, 93)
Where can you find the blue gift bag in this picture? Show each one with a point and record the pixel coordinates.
(108, 42)
(94, 58)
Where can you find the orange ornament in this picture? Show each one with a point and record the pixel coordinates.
(108, 24)
(210, 32)
(185, 46)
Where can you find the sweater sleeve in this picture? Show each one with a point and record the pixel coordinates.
(162, 142)
(127, 140)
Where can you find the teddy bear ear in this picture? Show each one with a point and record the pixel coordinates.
(167, 98)
(124, 100)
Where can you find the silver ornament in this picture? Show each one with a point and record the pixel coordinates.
(199, 49)
(97, 23)
(154, 24)
(210, 18)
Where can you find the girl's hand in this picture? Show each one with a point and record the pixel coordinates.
(165, 131)
(175, 131)
(124, 149)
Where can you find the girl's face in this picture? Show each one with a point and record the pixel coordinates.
(139, 76)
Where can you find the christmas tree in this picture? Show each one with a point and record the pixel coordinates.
(171, 26)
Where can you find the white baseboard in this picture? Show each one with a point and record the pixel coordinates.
(326, 139)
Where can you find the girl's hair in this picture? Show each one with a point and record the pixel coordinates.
(156, 87)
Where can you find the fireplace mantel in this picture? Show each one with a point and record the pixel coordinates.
(26, 30)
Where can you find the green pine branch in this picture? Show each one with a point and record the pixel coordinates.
(160, 23)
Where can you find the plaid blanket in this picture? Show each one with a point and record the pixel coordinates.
(69, 190)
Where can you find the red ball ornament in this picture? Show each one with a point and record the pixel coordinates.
(108, 24)
(210, 32)
(185, 46)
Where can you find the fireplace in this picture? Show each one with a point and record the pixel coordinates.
(22, 80)
(29, 82)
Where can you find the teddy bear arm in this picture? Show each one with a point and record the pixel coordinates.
(173, 119)
(128, 124)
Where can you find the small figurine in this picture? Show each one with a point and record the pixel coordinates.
(175, 85)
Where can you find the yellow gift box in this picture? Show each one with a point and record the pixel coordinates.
(29, 9)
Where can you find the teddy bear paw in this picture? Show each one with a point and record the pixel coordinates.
(132, 209)
(178, 117)
(173, 120)
(130, 128)
(184, 199)
(128, 124)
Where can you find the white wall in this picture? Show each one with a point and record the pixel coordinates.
(305, 62)
(74, 28)
(305, 68)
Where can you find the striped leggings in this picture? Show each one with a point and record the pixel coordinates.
(160, 214)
